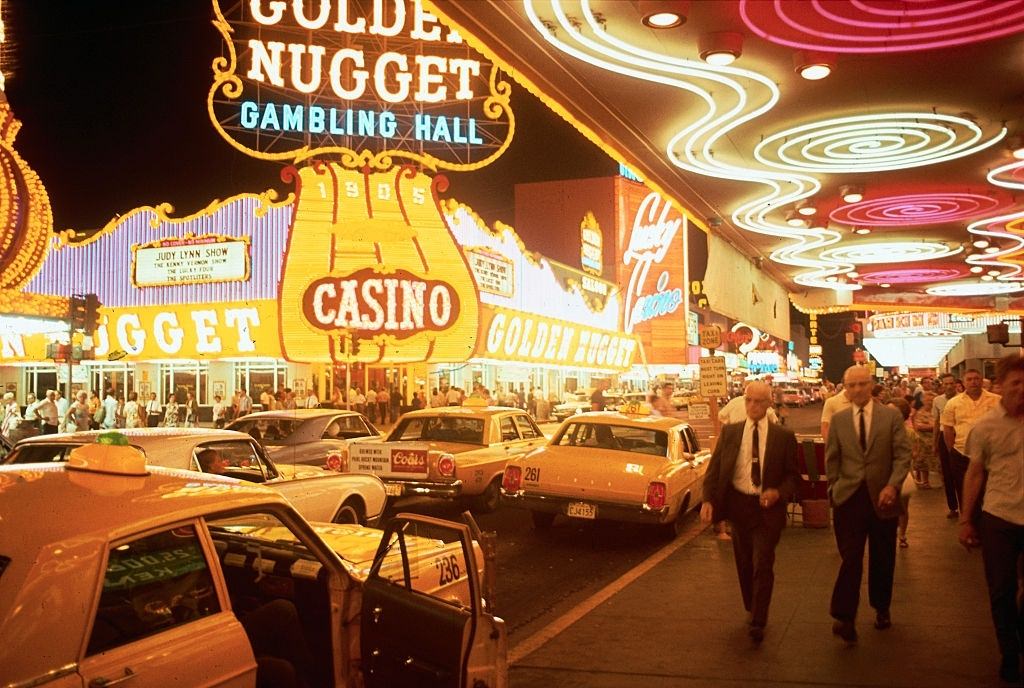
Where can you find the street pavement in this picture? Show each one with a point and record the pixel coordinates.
(682, 623)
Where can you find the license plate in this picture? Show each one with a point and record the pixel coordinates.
(581, 510)
(394, 489)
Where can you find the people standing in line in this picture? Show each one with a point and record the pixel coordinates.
(219, 411)
(133, 411)
(867, 458)
(371, 403)
(752, 475)
(191, 411)
(11, 416)
(383, 404)
(79, 417)
(948, 390)
(995, 483)
(311, 399)
(109, 410)
(63, 404)
(154, 411)
(960, 414)
(171, 412)
(833, 405)
(244, 404)
(48, 413)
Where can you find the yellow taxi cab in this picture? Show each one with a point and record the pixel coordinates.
(447, 452)
(112, 571)
(611, 465)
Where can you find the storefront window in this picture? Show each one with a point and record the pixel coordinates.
(38, 380)
(182, 378)
(257, 377)
(117, 376)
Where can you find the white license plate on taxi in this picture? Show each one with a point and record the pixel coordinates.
(581, 510)
(394, 489)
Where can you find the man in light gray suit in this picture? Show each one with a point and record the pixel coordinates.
(867, 460)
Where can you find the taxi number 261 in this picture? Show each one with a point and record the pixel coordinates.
(531, 474)
(448, 569)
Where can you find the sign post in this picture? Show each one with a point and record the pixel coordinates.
(713, 384)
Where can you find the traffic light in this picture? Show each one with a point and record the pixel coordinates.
(77, 313)
(92, 312)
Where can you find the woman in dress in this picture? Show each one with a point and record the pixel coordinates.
(133, 412)
(171, 412)
(191, 411)
(924, 452)
(11, 415)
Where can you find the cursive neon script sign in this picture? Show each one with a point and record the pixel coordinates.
(651, 238)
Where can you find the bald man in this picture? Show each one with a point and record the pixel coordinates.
(866, 459)
(751, 477)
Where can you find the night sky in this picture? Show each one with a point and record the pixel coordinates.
(112, 97)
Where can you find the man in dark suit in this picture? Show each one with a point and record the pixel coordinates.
(752, 475)
(866, 460)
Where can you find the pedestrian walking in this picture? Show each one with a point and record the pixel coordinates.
(867, 458)
(171, 412)
(383, 404)
(958, 418)
(154, 412)
(219, 411)
(79, 417)
(994, 448)
(133, 411)
(752, 475)
(941, 450)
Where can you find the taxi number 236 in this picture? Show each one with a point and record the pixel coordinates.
(448, 569)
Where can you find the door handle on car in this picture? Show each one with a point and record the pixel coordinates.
(101, 682)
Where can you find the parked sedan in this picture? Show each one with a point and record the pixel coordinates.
(612, 466)
(454, 451)
(118, 572)
(318, 494)
(306, 436)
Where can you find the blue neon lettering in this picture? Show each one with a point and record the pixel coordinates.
(316, 119)
(270, 120)
(291, 117)
(250, 114)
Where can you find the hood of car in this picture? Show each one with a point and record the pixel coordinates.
(299, 471)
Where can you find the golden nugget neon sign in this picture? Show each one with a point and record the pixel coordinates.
(359, 78)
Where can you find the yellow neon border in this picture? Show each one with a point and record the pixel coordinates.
(220, 239)
(590, 222)
(226, 80)
(558, 109)
(267, 200)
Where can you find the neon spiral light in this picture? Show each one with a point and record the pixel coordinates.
(891, 252)
(915, 209)
(873, 143)
(732, 97)
(910, 276)
(1005, 230)
(866, 26)
(975, 289)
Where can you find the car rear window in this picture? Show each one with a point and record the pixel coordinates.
(43, 452)
(439, 429)
(616, 437)
(271, 432)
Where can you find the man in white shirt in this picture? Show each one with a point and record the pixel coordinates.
(736, 411)
(46, 411)
(959, 416)
(219, 409)
(244, 404)
(154, 412)
(109, 410)
(833, 405)
(62, 409)
(311, 400)
(453, 397)
(752, 475)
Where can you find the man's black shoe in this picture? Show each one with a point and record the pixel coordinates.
(953, 514)
(845, 630)
(882, 621)
(1009, 669)
(756, 633)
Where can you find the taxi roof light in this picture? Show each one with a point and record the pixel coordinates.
(111, 454)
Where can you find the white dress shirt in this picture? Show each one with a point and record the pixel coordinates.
(744, 460)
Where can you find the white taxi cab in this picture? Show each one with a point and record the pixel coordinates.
(614, 466)
(318, 494)
(114, 572)
(448, 452)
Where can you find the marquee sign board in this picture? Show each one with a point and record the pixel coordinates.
(367, 80)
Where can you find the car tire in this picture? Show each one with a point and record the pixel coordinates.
(542, 520)
(672, 529)
(489, 499)
(350, 512)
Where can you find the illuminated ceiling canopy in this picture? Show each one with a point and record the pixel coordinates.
(914, 352)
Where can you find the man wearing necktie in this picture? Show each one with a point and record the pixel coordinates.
(866, 461)
(751, 477)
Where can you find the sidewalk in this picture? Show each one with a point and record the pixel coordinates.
(683, 624)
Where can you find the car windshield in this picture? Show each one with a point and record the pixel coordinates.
(270, 431)
(439, 429)
(617, 437)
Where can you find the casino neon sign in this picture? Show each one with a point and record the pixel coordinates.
(368, 80)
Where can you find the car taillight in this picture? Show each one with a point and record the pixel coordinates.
(446, 465)
(337, 461)
(656, 495)
(512, 479)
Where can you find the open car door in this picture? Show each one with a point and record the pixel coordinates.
(424, 621)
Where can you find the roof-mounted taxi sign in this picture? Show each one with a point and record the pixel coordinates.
(111, 454)
(635, 408)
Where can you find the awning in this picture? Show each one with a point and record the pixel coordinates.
(913, 352)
